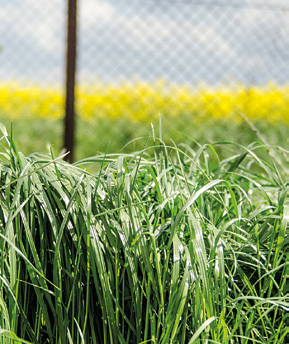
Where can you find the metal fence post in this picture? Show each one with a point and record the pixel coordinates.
(69, 128)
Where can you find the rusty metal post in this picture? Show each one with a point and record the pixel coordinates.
(69, 125)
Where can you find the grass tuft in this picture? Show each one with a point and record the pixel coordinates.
(166, 245)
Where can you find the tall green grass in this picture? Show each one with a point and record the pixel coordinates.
(165, 245)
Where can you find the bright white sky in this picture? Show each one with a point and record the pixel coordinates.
(179, 40)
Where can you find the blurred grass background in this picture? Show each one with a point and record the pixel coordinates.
(109, 117)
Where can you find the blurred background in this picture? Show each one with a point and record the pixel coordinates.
(200, 64)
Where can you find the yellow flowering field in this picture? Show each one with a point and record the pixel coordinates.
(142, 101)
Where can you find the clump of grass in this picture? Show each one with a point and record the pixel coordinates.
(166, 245)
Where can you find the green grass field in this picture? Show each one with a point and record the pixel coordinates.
(111, 136)
(173, 244)
(110, 116)
(168, 228)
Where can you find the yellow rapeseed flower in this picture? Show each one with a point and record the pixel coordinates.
(142, 101)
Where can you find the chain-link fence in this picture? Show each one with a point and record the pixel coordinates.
(184, 41)
(198, 63)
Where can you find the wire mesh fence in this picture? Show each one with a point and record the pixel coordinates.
(198, 63)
